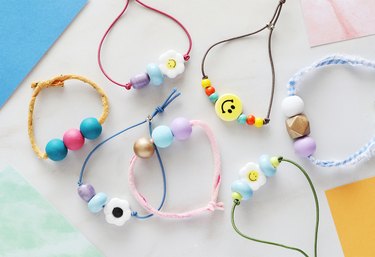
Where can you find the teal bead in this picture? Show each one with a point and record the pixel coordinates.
(90, 128)
(242, 119)
(155, 74)
(266, 166)
(56, 149)
(243, 188)
(97, 203)
(213, 97)
(162, 136)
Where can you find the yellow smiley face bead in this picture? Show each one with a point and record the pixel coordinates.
(228, 107)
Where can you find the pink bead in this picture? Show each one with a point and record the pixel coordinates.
(73, 139)
(305, 146)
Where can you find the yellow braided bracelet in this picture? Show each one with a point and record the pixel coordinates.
(73, 139)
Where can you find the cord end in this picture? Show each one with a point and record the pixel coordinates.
(128, 86)
(186, 57)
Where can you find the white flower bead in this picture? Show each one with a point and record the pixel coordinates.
(117, 211)
(292, 105)
(171, 64)
(252, 174)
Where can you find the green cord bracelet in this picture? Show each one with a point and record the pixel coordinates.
(252, 177)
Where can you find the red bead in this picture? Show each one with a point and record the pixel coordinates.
(209, 90)
(250, 119)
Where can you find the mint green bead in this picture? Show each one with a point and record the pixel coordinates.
(162, 136)
(155, 74)
(213, 97)
(242, 119)
(97, 203)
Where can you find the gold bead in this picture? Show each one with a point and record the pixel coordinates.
(298, 126)
(144, 147)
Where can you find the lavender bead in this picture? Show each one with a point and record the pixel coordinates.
(181, 128)
(305, 146)
(86, 192)
(140, 81)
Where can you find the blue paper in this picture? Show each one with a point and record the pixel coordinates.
(28, 28)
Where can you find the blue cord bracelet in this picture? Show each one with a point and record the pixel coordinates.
(298, 125)
(117, 211)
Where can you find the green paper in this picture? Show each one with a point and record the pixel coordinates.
(32, 227)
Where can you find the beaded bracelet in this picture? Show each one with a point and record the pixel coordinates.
(117, 211)
(228, 107)
(171, 63)
(162, 136)
(73, 139)
(252, 177)
(298, 125)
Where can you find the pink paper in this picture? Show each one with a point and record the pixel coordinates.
(330, 21)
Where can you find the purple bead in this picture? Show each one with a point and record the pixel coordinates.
(86, 192)
(181, 128)
(305, 146)
(140, 81)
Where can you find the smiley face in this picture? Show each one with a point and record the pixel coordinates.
(228, 107)
(171, 64)
(253, 175)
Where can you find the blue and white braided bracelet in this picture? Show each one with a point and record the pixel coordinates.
(298, 125)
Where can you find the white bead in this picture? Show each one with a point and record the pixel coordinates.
(292, 105)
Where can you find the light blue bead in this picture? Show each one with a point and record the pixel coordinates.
(155, 74)
(213, 97)
(56, 149)
(162, 136)
(97, 203)
(90, 128)
(242, 119)
(266, 166)
(243, 188)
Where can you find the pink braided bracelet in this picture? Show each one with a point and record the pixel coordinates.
(162, 136)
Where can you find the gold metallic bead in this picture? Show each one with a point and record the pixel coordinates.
(144, 147)
(298, 126)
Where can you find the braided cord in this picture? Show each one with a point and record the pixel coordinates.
(366, 151)
(58, 81)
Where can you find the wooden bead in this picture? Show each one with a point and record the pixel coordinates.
(298, 126)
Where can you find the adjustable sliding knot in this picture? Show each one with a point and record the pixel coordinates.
(159, 109)
(212, 206)
(270, 26)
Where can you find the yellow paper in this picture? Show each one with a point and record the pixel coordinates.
(353, 211)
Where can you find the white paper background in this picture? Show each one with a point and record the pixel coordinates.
(339, 103)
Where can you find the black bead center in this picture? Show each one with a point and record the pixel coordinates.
(117, 212)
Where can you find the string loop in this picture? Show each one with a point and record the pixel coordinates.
(237, 202)
(128, 86)
(174, 94)
(270, 26)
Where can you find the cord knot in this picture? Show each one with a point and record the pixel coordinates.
(159, 109)
(270, 26)
(134, 213)
(212, 206)
(128, 86)
(186, 57)
(282, 1)
(266, 121)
